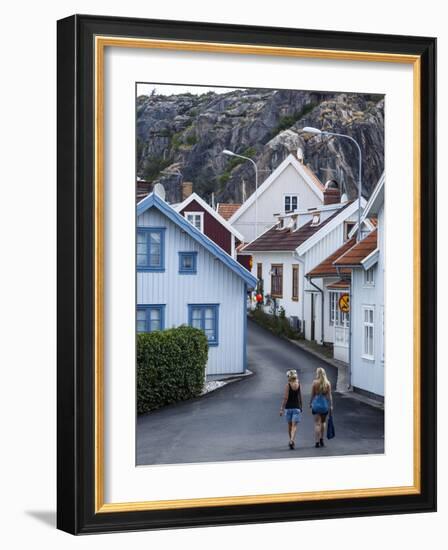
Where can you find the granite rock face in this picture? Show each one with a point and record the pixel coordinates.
(183, 136)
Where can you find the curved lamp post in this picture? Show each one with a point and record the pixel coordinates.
(310, 130)
(232, 154)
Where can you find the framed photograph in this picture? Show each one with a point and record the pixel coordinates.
(246, 274)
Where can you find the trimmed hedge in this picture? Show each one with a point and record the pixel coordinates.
(278, 324)
(170, 366)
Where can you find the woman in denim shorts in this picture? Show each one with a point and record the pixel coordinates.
(292, 405)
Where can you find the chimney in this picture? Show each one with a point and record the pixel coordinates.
(332, 193)
(187, 189)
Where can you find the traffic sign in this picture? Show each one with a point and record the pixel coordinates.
(344, 303)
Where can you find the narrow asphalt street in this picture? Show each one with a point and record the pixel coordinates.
(241, 420)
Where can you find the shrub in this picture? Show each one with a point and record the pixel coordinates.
(170, 366)
(278, 324)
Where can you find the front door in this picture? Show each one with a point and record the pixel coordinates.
(341, 337)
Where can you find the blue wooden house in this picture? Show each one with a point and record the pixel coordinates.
(183, 277)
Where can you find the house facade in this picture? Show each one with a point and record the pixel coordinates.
(366, 262)
(291, 187)
(210, 222)
(183, 277)
(283, 255)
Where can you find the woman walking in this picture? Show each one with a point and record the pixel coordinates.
(292, 405)
(321, 403)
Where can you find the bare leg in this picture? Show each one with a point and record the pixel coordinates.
(322, 431)
(293, 431)
(317, 427)
(289, 430)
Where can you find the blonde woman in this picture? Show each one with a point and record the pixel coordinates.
(292, 405)
(321, 404)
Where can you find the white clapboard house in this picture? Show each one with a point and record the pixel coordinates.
(183, 277)
(366, 262)
(284, 254)
(356, 271)
(291, 186)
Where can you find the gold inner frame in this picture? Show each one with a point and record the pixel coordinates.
(101, 42)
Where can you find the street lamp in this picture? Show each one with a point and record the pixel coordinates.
(232, 154)
(310, 130)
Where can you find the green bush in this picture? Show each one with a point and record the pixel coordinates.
(170, 366)
(278, 324)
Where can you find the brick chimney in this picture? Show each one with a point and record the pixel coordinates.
(187, 189)
(332, 192)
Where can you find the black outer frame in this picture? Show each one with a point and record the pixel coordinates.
(75, 309)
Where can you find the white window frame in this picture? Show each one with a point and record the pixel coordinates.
(290, 195)
(335, 314)
(365, 326)
(369, 277)
(187, 214)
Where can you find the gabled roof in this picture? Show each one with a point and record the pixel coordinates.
(359, 252)
(209, 209)
(285, 240)
(154, 201)
(345, 212)
(310, 179)
(376, 198)
(327, 268)
(226, 210)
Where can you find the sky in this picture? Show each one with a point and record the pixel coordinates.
(170, 89)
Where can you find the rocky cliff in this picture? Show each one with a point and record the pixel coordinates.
(183, 136)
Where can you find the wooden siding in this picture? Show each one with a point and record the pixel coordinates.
(212, 227)
(214, 283)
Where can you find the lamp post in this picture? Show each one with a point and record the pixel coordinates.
(310, 130)
(232, 154)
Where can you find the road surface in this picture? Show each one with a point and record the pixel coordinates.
(241, 421)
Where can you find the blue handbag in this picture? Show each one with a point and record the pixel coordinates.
(319, 404)
(330, 428)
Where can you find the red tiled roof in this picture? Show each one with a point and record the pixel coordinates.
(342, 284)
(327, 268)
(226, 210)
(359, 251)
(275, 239)
(313, 176)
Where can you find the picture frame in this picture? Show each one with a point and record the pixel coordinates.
(82, 41)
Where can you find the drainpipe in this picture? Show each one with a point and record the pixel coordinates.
(301, 303)
(321, 307)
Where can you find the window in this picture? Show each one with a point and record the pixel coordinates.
(368, 332)
(277, 280)
(205, 317)
(150, 249)
(295, 282)
(196, 219)
(369, 277)
(150, 318)
(259, 271)
(348, 226)
(188, 262)
(337, 316)
(291, 203)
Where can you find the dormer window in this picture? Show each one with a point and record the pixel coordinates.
(291, 203)
(316, 219)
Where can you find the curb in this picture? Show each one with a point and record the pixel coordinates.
(342, 381)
